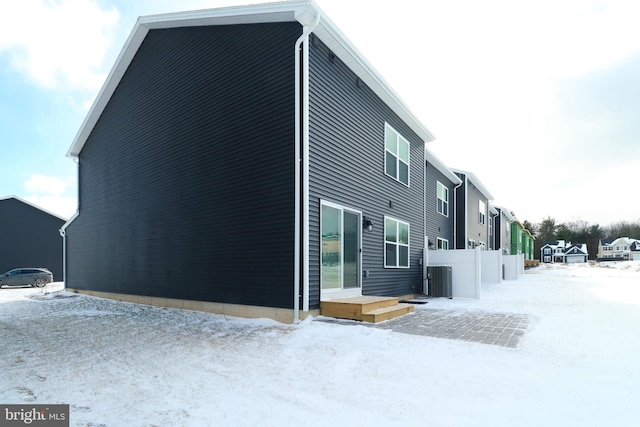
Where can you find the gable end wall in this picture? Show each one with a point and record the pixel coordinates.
(186, 181)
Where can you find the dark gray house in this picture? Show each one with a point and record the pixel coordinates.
(439, 210)
(246, 160)
(472, 212)
(30, 237)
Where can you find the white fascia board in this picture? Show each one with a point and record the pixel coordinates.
(108, 88)
(506, 212)
(304, 12)
(475, 181)
(343, 49)
(432, 159)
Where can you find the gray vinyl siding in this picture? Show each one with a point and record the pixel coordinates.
(475, 230)
(186, 181)
(347, 122)
(438, 225)
(30, 238)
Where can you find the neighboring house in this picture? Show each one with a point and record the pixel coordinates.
(516, 237)
(563, 252)
(605, 249)
(635, 251)
(527, 244)
(472, 212)
(618, 249)
(222, 169)
(30, 237)
(576, 253)
(502, 230)
(439, 203)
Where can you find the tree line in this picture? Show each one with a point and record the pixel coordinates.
(579, 231)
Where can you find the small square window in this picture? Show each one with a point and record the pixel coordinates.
(443, 244)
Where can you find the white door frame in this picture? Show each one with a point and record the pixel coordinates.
(328, 294)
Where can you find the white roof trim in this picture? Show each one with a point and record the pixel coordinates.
(26, 202)
(302, 11)
(475, 181)
(431, 158)
(506, 212)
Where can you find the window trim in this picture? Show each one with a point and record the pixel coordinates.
(397, 244)
(445, 243)
(482, 208)
(445, 203)
(399, 138)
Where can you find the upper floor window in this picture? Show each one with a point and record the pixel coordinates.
(396, 243)
(482, 208)
(443, 199)
(396, 160)
(547, 250)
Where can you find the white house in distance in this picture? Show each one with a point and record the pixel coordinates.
(563, 252)
(618, 249)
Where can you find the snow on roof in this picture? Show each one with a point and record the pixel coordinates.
(306, 12)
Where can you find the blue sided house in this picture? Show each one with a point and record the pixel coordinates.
(247, 160)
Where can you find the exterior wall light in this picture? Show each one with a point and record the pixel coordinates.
(367, 224)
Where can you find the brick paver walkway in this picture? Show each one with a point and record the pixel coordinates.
(502, 329)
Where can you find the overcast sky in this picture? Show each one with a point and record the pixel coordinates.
(540, 100)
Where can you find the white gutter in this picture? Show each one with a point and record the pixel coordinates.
(302, 156)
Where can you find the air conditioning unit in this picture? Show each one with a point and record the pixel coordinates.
(440, 281)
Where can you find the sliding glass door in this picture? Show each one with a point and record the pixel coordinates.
(340, 230)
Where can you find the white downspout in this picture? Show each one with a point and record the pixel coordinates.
(63, 229)
(425, 250)
(302, 155)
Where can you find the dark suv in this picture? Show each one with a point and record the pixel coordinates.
(37, 277)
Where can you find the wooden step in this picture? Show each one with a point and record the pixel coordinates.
(365, 308)
(387, 313)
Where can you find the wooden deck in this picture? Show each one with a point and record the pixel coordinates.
(366, 308)
(529, 263)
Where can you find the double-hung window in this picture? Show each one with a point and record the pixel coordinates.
(396, 160)
(443, 199)
(482, 208)
(396, 243)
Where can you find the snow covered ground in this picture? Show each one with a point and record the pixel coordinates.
(120, 364)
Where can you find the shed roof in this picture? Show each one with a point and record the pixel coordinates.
(306, 12)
